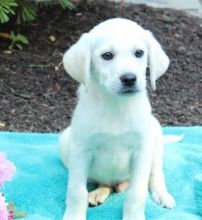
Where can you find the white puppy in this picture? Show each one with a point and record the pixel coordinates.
(114, 139)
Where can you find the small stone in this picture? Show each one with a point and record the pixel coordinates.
(52, 38)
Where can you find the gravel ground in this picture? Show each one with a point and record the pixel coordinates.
(37, 95)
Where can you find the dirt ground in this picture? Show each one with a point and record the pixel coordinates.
(37, 95)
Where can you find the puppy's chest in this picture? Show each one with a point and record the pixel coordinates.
(111, 156)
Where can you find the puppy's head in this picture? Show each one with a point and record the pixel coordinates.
(115, 55)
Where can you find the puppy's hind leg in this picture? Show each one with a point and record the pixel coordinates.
(63, 146)
(122, 186)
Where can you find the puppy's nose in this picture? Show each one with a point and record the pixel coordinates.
(128, 79)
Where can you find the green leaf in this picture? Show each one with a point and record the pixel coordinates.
(8, 2)
(10, 10)
(17, 213)
(17, 40)
(26, 11)
(18, 46)
(13, 36)
(6, 9)
(66, 4)
(3, 16)
(22, 39)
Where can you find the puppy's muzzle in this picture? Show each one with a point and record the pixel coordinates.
(128, 82)
(128, 79)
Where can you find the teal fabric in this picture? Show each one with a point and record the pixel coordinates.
(39, 186)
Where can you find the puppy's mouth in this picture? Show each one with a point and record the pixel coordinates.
(125, 90)
(128, 92)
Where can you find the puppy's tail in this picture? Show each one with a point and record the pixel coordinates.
(168, 139)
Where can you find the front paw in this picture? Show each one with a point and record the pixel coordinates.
(164, 199)
(73, 216)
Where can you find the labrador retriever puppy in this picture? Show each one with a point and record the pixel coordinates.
(114, 140)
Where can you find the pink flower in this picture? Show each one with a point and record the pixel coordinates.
(3, 208)
(7, 170)
(10, 215)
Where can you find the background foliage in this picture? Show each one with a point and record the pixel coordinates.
(26, 10)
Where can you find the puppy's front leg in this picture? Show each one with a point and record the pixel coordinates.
(138, 189)
(77, 194)
(157, 185)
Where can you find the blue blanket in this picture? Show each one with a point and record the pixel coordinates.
(39, 185)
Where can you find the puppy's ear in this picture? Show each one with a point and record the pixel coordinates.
(76, 60)
(158, 60)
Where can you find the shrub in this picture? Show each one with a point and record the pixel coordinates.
(25, 10)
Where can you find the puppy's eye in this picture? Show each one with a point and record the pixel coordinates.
(139, 53)
(107, 56)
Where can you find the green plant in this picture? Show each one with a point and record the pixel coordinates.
(66, 4)
(7, 8)
(25, 10)
(16, 40)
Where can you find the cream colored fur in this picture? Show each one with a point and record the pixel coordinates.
(114, 136)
